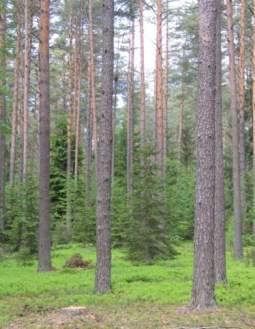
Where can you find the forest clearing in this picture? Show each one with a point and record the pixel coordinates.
(127, 164)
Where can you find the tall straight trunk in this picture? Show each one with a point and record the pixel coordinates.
(253, 113)
(2, 115)
(165, 82)
(70, 130)
(44, 224)
(203, 279)
(159, 113)
(181, 120)
(238, 248)
(242, 106)
(142, 73)
(15, 109)
(104, 160)
(91, 119)
(130, 110)
(219, 235)
(27, 67)
(78, 96)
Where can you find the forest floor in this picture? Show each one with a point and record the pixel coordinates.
(143, 297)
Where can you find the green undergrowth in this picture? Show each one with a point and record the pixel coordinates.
(23, 290)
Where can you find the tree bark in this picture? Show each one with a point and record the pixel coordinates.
(219, 235)
(27, 67)
(44, 224)
(142, 73)
(238, 248)
(242, 107)
(15, 109)
(2, 115)
(159, 113)
(203, 279)
(104, 160)
(130, 110)
(253, 113)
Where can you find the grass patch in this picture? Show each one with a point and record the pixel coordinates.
(163, 284)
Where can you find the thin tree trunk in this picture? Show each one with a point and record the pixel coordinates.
(181, 122)
(241, 106)
(130, 110)
(203, 279)
(44, 224)
(238, 248)
(104, 160)
(15, 109)
(219, 235)
(27, 66)
(159, 113)
(2, 116)
(142, 72)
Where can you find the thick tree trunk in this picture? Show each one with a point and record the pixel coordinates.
(238, 248)
(203, 280)
(15, 110)
(253, 113)
(142, 73)
(130, 110)
(104, 160)
(2, 115)
(44, 224)
(219, 235)
(242, 106)
(27, 67)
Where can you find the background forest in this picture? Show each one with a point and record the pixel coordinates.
(152, 183)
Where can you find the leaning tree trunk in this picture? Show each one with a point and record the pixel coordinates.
(242, 107)
(203, 280)
(104, 160)
(2, 113)
(44, 223)
(238, 248)
(219, 235)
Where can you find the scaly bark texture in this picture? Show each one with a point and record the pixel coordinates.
(242, 106)
(159, 94)
(203, 280)
(44, 223)
(130, 110)
(142, 73)
(238, 248)
(2, 114)
(253, 113)
(104, 160)
(219, 233)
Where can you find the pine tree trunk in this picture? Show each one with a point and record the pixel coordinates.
(104, 160)
(241, 106)
(219, 236)
(130, 110)
(142, 99)
(203, 280)
(2, 115)
(159, 113)
(27, 66)
(253, 113)
(238, 249)
(15, 109)
(181, 122)
(44, 224)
